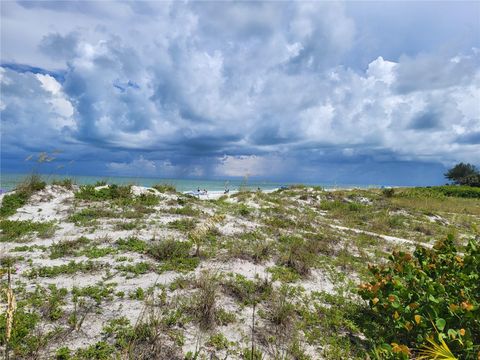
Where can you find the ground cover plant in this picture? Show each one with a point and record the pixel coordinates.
(428, 296)
(129, 272)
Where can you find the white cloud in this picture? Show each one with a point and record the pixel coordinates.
(248, 165)
(196, 80)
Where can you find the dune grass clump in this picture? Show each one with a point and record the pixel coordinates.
(250, 246)
(66, 183)
(23, 192)
(174, 255)
(110, 192)
(183, 224)
(247, 292)
(67, 248)
(165, 188)
(297, 254)
(204, 301)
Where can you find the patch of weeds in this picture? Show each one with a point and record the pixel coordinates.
(132, 225)
(180, 282)
(186, 210)
(175, 255)
(27, 248)
(256, 354)
(132, 244)
(204, 301)
(99, 351)
(138, 294)
(22, 337)
(224, 317)
(280, 221)
(15, 229)
(136, 269)
(99, 292)
(297, 254)
(244, 210)
(165, 188)
(48, 301)
(248, 292)
(95, 252)
(283, 274)
(280, 310)
(67, 248)
(218, 341)
(121, 330)
(250, 246)
(169, 248)
(66, 183)
(111, 192)
(183, 224)
(146, 200)
(11, 202)
(63, 353)
(174, 317)
(71, 268)
(88, 216)
(182, 265)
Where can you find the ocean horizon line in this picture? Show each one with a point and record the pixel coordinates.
(8, 182)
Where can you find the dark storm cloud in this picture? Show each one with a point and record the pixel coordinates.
(220, 89)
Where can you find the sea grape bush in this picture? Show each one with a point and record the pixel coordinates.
(432, 294)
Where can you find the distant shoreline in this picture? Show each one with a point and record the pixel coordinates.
(8, 181)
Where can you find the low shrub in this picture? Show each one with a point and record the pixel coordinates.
(296, 254)
(15, 229)
(165, 188)
(11, 202)
(170, 249)
(66, 183)
(430, 294)
(132, 244)
(111, 192)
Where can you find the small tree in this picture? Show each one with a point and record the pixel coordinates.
(462, 173)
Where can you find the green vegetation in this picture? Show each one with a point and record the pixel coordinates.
(432, 294)
(88, 216)
(11, 202)
(464, 174)
(247, 292)
(71, 268)
(442, 191)
(183, 224)
(66, 183)
(67, 248)
(108, 192)
(137, 268)
(132, 244)
(165, 188)
(302, 252)
(175, 255)
(100, 292)
(14, 229)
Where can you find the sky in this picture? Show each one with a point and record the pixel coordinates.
(355, 92)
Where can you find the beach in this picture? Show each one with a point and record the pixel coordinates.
(114, 256)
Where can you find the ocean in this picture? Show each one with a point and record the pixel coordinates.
(9, 182)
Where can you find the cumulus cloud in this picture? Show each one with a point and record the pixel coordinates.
(226, 89)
